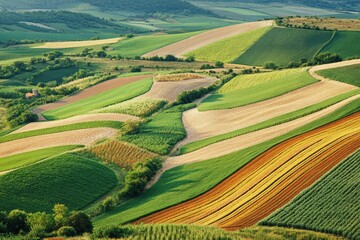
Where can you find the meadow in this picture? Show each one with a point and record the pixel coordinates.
(247, 89)
(24, 159)
(345, 44)
(68, 179)
(229, 49)
(268, 123)
(348, 74)
(100, 100)
(330, 205)
(188, 181)
(283, 45)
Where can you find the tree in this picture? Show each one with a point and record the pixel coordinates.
(101, 54)
(270, 65)
(17, 221)
(80, 222)
(60, 215)
(40, 219)
(219, 64)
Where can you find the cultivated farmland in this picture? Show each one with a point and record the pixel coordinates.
(283, 45)
(348, 74)
(75, 44)
(176, 77)
(330, 205)
(344, 43)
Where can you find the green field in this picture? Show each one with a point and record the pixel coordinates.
(68, 179)
(331, 205)
(100, 100)
(348, 74)
(65, 128)
(229, 49)
(251, 88)
(55, 75)
(345, 43)
(283, 45)
(268, 123)
(161, 133)
(23, 159)
(140, 45)
(188, 181)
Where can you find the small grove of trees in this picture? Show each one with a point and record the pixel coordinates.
(40, 224)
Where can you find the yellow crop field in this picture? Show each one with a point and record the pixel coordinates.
(176, 77)
(75, 44)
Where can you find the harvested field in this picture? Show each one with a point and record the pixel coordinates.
(76, 119)
(75, 44)
(91, 91)
(176, 77)
(329, 23)
(76, 137)
(179, 49)
(270, 180)
(247, 140)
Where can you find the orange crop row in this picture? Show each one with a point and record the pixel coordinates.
(270, 180)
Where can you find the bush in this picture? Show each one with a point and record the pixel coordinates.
(37, 233)
(206, 66)
(219, 64)
(66, 231)
(107, 204)
(80, 222)
(135, 69)
(112, 232)
(270, 65)
(131, 127)
(16, 221)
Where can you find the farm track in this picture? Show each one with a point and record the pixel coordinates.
(270, 180)
(179, 49)
(77, 119)
(76, 137)
(88, 92)
(75, 44)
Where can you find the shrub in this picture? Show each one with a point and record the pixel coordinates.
(131, 127)
(60, 215)
(16, 221)
(219, 64)
(41, 219)
(37, 233)
(107, 204)
(270, 65)
(112, 232)
(66, 231)
(80, 222)
(206, 66)
(135, 69)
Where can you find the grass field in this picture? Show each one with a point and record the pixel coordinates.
(160, 134)
(344, 43)
(68, 179)
(268, 181)
(23, 159)
(271, 122)
(137, 107)
(229, 49)
(65, 128)
(330, 205)
(283, 45)
(185, 182)
(143, 44)
(348, 74)
(247, 89)
(100, 100)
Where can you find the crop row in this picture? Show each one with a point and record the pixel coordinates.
(176, 77)
(270, 180)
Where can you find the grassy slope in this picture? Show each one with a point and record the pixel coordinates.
(65, 128)
(330, 205)
(345, 43)
(185, 182)
(349, 74)
(283, 45)
(72, 180)
(100, 100)
(271, 122)
(247, 89)
(143, 44)
(229, 49)
(23, 159)
(161, 133)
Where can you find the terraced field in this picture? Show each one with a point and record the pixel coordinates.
(270, 180)
(283, 45)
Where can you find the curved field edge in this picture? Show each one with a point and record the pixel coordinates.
(68, 179)
(27, 158)
(65, 128)
(189, 181)
(100, 100)
(270, 180)
(337, 191)
(269, 123)
(348, 74)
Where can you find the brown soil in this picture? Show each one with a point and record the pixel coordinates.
(74, 44)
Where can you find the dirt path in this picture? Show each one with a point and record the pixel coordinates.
(88, 92)
(77, 119)
(76, 137)
(181, 48)
(74, 44)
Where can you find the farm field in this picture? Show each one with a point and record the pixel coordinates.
(185, 182)
(180, 49)
(270, 180)
(229, 49)
(75, 44)
(283, 45)
(68, 178)
(336, 192)
(328, 23)
(348, 74)
(24, 159)
(345, 44)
